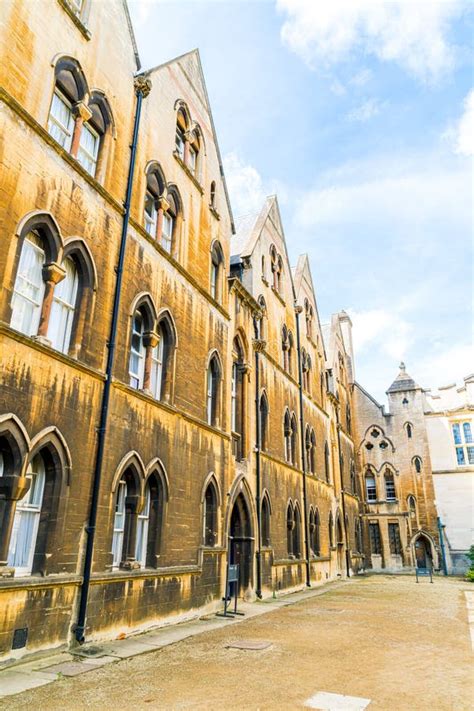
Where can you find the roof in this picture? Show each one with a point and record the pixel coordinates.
(403, 382)
(244, 226)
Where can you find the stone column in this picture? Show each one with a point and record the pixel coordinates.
(52, 275)
(188, 139)
(150, 341)
(245, 370)
(12, 489)
(163, 206)
(133, 505)
(82, 114)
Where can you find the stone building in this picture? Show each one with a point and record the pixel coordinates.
(167, 402)
(398, 512)
(449, 422)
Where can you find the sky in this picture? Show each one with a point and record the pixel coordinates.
(360, 117)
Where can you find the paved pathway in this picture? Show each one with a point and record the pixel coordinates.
(378, 643)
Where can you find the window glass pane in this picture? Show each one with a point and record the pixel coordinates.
(25, 523)
(457, 434)
(180, 143)
(88, 149)
(137, 352)
(62, 310)
(150, 214)
(167, 232)
(470, 454)
(157, 368)
(460, 455)
(29, 287)
(61, 121)
(119, 524)
(142, 530)
(371, 488)
(467, 432)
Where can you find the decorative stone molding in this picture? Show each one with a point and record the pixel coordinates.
(82, 110)
(259, 345)
(142, 85)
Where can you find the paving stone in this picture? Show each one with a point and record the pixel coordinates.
(69, 668)
(130, 648)
(325, 701)
(249, 644)
(14, 682)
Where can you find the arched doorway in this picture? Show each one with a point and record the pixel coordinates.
(423, 556)
(241, 541)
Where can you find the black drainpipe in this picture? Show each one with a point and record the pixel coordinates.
(343, 498)
(258, 497)
(142, 89)
(298, 310)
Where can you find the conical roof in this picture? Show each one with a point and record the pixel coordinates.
(403, 381)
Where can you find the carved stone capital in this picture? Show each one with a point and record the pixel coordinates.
(151, 338)
(245, 368)
(53, 272)
(298, 309)
(163, 204)
(14, 488)
(82, 110)
(259, 345)
(190, 136)
(142, 85)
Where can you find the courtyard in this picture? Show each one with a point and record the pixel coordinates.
(383, 639)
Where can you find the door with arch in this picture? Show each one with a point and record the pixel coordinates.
(241, 542)
(423, 555)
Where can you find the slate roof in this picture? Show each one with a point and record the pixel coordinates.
(402, 382)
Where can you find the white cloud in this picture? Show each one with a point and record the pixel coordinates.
(440, 367)
(465, 129)
(405, 193)
(246, 188)
(366, 111)
(411, 33)
(383, 330)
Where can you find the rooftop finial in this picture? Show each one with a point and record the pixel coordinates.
(402, 367)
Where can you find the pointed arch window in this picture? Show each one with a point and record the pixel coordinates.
(263, 410)
(137, 351)
(409, 430)
(370, 487)
(181, 126)
(213, 384)
(28, 291)
(390, 492)
(418, 465)
(162, 361)
(265, 522)
(310, 443)
(154, 200)
(26, 521)
(63, 308)
(291, 345)
(78, 127)
(261, 322)
(169, 224)
(412, 507)
(326, 462)
(237, 400)
(149, 522)
(353, 477)
(212, 203)
(285, 347)
(210, 516)
(217, 260)
(126, 522)
(331, 530)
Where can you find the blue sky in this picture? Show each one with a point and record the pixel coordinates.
(360, 117)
